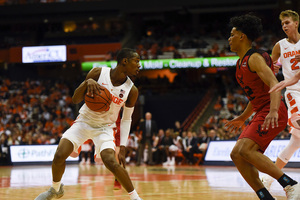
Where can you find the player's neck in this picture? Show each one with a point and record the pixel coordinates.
(243, 51)
(117, 77)
(294, 38)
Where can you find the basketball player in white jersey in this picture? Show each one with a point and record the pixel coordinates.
(100, 126)
(288, 50)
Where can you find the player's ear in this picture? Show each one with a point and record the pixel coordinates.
(243, 36)
(125, 61)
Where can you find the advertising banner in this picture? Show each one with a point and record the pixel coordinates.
(220, 150)
(39, 54)
(34, 153)
(171, 63)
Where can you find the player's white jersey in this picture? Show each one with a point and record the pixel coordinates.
(287, 59)
(119, 96)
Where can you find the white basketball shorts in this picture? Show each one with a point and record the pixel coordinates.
(80, 132)
(292, 99)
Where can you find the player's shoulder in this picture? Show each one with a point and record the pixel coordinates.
(96, 70)
(283, 42)
(255, 58)
(94, 73)
(134, 89)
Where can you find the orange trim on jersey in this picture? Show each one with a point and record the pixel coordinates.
(79, 150)
(290, 123)
(115, 132)
(74, 120)
(293, 102)
(294, 110)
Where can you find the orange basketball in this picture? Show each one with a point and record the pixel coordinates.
(100, 101)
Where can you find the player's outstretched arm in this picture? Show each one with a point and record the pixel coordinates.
(282, 84)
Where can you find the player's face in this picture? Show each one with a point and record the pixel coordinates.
(288, 25)
(234, 39)
(133, 66)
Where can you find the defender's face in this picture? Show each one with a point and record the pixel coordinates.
(234, 39)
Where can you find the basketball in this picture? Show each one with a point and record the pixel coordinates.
(99, 102)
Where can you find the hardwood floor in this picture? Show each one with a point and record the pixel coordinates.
(89, 182)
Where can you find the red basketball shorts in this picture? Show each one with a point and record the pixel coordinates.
(263, 138)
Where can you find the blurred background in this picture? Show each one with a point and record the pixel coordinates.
(186, 75)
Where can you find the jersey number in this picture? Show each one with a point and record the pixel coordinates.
(249, 92)
(294, 63)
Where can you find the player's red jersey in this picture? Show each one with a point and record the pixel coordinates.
(254, 88)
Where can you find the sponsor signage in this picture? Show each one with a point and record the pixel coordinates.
(34, 153)
(39, 54)
(220, 150)
(171, 63)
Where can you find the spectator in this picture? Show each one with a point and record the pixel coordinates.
(159, 153)
(188, 152)
(149, 129)
(167, 142)
(177, 128)
(131, 147)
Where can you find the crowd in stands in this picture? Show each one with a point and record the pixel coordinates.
(174, 146)
(33, 112)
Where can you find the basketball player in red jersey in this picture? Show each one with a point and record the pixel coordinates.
(100, 126)
(254, 73)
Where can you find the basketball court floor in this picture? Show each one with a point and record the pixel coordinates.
(91, 182)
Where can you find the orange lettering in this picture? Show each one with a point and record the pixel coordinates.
(291, 53)
(116, 100)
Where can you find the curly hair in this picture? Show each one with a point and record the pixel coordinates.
(248, 24)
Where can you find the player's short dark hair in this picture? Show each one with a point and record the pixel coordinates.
(125, 53)
(248, 24)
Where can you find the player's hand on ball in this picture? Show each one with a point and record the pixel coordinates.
(92, 87)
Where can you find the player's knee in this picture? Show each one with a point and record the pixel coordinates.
(111, 164)
(59, 157)
(295, 133)
(234, 154)
(244, 153)
(108, 158)
(238, 153)
(295, 121)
